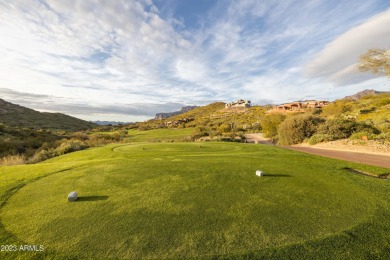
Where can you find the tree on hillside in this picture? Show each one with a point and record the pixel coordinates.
(270, 123)
(376, 61)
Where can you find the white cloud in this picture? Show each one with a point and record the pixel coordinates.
(108, 51)
(96, 53)
(191, 69)
(339, 58)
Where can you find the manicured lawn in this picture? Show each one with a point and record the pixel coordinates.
(160, 135)
(189, 200)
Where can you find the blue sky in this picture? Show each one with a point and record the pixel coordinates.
(127, 60)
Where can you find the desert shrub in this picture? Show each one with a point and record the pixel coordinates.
(42, 155)
(144, 128)
(69, 146)
(338, 128)
(214, 133)
(362, 135)
(95, 140)
(116, 136)
(110, 137)
(240, 137)
(270, 123)
(337, 108)
(344, 128)
(131, 126)
(191, 124)
(224, 128)
(199, 132)
(12, 160)
(366, 111)
(318, 138)
(295, 129)
(80, 135)
(367, 128)
(256, 127)
(226, 138)
(383, 137)
(316, 111)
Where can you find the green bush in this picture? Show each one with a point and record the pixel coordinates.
(383, 137)
(367, 128)
(297, 128)
(256, 127)
(270, 123)
(144, 128)
(199, 132)
(344, 128)
(224, 128)
(338, 128)
(319, 138)
(366, 111)
(362, 134)
(337, 108)
(80, 135)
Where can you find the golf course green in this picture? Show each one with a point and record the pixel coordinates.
(194, 200)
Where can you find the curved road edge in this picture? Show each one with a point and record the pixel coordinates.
(365, 158)
(359, 157)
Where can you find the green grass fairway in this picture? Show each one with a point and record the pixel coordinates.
(188, 200)
(160, 135)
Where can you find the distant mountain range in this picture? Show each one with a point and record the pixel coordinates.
(19, 116)
(110, 122)
(366, 92)
(166, 115)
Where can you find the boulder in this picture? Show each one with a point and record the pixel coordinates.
(72, 196)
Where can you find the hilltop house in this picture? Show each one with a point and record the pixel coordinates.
(239, 103)
(299, 106)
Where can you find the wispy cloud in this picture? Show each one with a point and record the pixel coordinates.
(338, 60)
(96, 57)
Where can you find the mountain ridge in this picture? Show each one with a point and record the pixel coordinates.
(15, 115)
(170, 114)
(366, 92)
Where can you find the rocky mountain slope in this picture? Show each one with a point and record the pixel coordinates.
(169, 114)
(366, 92)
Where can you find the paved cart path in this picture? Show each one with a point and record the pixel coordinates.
(360, 157)
(257, 138)
(366, 158)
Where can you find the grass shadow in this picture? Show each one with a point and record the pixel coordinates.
(91, 198)
(381, 176)
(276, 175)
